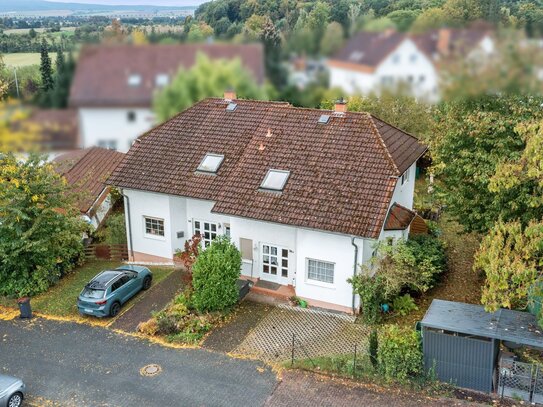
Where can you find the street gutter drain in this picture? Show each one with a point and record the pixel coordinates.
(150, 370)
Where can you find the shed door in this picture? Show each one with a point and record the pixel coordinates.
(463, 361)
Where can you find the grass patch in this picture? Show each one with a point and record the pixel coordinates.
(19, 59)
(60, 300)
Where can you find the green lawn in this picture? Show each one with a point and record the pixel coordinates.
(60, 300)
(18, 59)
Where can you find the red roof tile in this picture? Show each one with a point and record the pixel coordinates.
(342, 174)
(101, 77)
(86, 171)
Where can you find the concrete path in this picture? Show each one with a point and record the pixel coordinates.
(153, 300)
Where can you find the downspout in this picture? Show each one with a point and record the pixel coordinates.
(127, 200)
(354, 271)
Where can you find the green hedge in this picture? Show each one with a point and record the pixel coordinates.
(399, 354)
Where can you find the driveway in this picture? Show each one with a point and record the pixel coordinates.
(79, 365)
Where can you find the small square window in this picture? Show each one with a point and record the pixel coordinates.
(275, 180)
(162, 79)
(413, 57)
(134, 80)
(131, 116)
(211, 163)
(405, 177)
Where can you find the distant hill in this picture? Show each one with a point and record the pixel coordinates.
(34, 6)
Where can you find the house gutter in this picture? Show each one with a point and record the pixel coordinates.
(127, 200)
(354, 270)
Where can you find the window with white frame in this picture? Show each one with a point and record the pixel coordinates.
(322, 271)
(154, 226)
(206, 230)
(405, 177)
(134, 80)
(211, 163)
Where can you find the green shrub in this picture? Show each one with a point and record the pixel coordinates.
(373, 348)
(404, 304)
(114, 229)
(214, 276)
(414, 264)
(167, 323)
(399, 355)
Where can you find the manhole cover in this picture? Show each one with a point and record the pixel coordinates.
(150, 370)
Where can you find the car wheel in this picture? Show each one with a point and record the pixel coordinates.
(147, 282)
(114, 310)
(16, 400)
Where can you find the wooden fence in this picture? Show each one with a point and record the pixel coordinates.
(117, 252)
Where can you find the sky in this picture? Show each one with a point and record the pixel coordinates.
(137, 2)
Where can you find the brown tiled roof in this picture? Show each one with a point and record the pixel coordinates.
(369, 48)
(101, 77)
(86, 171)
(58, 128)
(342, 174)
(399, 217)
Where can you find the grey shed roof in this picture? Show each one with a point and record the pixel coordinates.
(504, 324)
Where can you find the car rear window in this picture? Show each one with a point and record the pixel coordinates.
(92, 293)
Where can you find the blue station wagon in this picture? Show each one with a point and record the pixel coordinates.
(108, 291)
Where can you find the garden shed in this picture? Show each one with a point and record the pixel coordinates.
(461, 342)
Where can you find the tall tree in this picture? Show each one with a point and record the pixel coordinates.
(272, 50)
(46, 69)
(63, 80)
(206, 78)
(332, 39)
(471, 142)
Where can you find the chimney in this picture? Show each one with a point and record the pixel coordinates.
(443, 41)
(340, 106)
(229, 95)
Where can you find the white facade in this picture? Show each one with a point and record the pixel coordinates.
(176, 219)
(113, 128)
(405, 65)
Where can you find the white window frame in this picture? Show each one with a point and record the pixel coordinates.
(162, 79)
(313, 281)
(134, 80)
(271, 172)
(202, 168)
(152, 235)
(279, 256)
(198, 230)
(405, 177)
(108, 144)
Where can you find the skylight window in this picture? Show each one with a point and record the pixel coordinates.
(134, 80)
(356, 56)
(211, 163)
(324, 119)
(162, 79)
(231, 107)
(275, 180)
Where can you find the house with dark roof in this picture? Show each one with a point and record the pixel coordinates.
(86, 171)
(305, 194)
(114, 85)
(371, 61)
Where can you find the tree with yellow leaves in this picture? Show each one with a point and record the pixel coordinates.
(41, 228)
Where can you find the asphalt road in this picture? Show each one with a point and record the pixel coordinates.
(78, 365)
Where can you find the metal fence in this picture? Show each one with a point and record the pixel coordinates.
(521, 381)
(350, 359)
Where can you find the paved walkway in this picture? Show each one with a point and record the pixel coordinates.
(314, 332)
(155, 299)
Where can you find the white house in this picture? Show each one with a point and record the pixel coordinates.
(303, 193)
(372, 61)
(114, 85)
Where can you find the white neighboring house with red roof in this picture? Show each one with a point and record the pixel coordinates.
(305, 194)
(114, 85)
(371, 61)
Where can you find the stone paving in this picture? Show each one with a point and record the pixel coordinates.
(314, 333)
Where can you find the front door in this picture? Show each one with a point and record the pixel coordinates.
(275, 263)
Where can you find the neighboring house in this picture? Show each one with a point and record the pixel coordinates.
(372, 61)
(113, 86)
(305, 194)
(303, 72)
(86, 172)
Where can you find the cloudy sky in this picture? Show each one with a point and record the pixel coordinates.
(137, 2)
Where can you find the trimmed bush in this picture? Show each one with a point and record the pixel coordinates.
(399, 354)
(214, 276)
